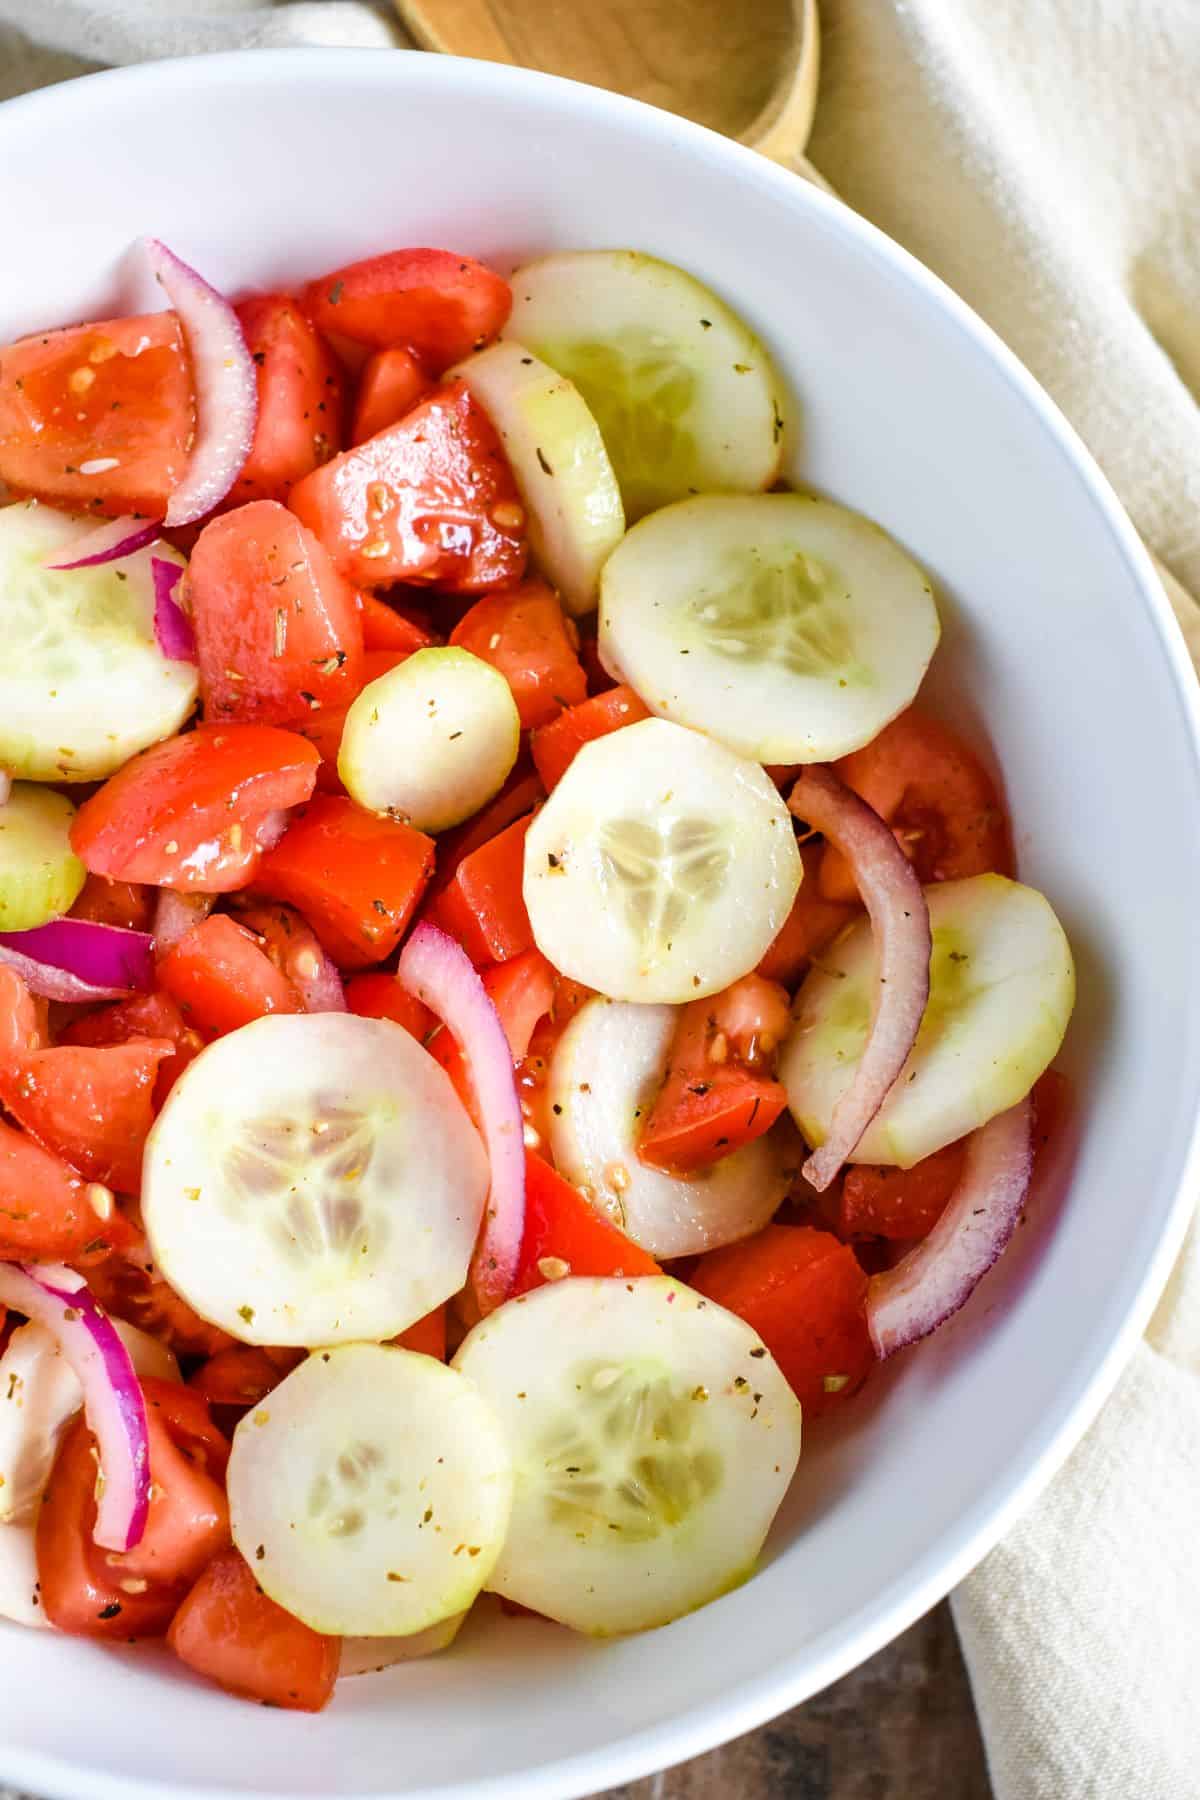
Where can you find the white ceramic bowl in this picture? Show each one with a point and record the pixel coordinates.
(1058, 647)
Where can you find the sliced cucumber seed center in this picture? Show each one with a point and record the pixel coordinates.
(626, 1459)
(785, 610)
(659, 872)
(308, 1175)
(357, 1486)
(640, 393)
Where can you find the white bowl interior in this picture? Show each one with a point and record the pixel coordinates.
(1057, 649)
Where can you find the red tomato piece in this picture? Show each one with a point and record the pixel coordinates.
(185, 813)
(522, 992)
(566, 1236)
(243, 1374)
(430, 500)
(278, 632)
(483, 906)
(106, 902)
(130, 1021)
(92, 1107)
(21, 1026)
(48, 1213)
(438, 304)
(525, 635)
(228, 1630)
(812, 923)
(516, 799)
(355, 876)
(98, 416)
(301, 398)
(386, 627)
(135, 1593)
(220, 977)
(802, 1291)
(935, 794)
(898, 1203)
(382, 997)
(391, 384)
(556, 745)
(427, 1336)
(717, 1093)
(129, 1287)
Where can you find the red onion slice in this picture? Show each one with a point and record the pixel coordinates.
(900, 924)
(77, 959)
(60, 1300)
(939, 1274)
(175, 914)
(106, 542)
(172, 627)
(439, 973)
(226, 391)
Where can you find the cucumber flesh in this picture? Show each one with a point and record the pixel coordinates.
(314, 1180)
(371, 1491)
(607, 1069)
(431, 741)
(40, 875)
(685, 394)
(371, 1655)
(559, 462)
(83, 683)
(662, 866)
(1002, 986)
(653, 1438)
(789, 628)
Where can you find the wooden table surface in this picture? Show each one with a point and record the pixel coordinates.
(902, 1727)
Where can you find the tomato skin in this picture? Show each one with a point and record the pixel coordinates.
(556, 744)
(430, 500)
(935, 794)
(21, 1026)
(131, 1021)
(524, 634)
(812, 923)
(803, 1292)
(229, 1630)
(301, 398)
(278, 632)
(523, 992)
(386, 627)
(118, 391)
(483, 906)
(712, 1102)
(902, 1204)
(124, 903)
(560, 1224)
(221, 978)
(158, 819)
(354, 876)
(382, 997)
(516, 800)
(45, 1212)
(91, 1592)
(243, 1374)
(92, 1107)
(440, 305)
(391, 384)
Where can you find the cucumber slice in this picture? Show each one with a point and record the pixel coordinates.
(314, 1179)
(661, 867)
(684, 393)
(83, 683)
(431, 741)
(559, 462)
(40, 874)
(371, 1655)
(653, 1439)
(1002, 986)
(371, 1491)
(19, 1599)
(608, 1067)
(787, 627)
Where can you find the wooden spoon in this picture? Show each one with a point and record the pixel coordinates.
(747, 70)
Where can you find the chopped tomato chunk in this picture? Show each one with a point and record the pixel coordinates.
(93, 1107)
(898, 1203)
(356, 877)
(438, 304)
(106, 902)
(98, 416)
(525, 634)
(812, 923)
(390, 385)
(427, 1336)
(129, 1286)
(718, 1093)
(522, 992)
(130, 1021)
(432, 500)
(135, 1593)
(483, 906)
(301, 398)
(387, 627)
(516, 799)
(556, 745)
(243, 1374)
(186, 813)
(221, 977)
(278, 632)
(229, 1630)
(21, 1024)
(382, 997)
(564, 1235)
(935, 794)
(48, 1212)
(802, 1291)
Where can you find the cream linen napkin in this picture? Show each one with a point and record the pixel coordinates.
(1044, 159)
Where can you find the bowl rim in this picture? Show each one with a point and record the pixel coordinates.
(855, 1638)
